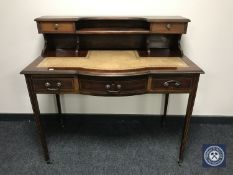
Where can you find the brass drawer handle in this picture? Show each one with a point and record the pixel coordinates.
(52, 89)
(56, 26)
(48, 86)
(108, 88)
(168, 83)
(168, 26)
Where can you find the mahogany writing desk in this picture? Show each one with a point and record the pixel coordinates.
(112, 56)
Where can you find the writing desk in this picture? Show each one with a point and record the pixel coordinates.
(112, 57)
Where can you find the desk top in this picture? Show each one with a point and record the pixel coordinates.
(112, 63)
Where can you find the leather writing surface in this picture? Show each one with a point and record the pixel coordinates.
(112, 60)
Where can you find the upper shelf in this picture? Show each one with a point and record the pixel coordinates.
(110, 25)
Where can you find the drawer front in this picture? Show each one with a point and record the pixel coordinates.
(168, 28)
(113, 86)
(171, 84)
(55, 85)
(56, 27)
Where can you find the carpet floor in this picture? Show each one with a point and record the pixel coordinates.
(120, 147)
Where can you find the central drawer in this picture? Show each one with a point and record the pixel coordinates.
(112, 86)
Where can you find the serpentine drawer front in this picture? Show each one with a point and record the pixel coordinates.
(56, 27)
(112, 86)
(170, 83)
(53, 85)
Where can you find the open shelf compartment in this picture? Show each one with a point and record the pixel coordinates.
(111, 26)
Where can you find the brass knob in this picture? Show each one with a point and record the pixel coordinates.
(47, 84)
(59, 84)
(56, 26)
(168, 26)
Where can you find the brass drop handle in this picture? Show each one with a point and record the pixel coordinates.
(168, 26)
(56, 26)
(108, 88)
(168, 83)
(48, 86)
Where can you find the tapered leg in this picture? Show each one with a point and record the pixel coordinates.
(36, 111)
(59, 110)
(163, 118)
(188, 115)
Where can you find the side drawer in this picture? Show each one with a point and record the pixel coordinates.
(55, 85)
(56, 27)
(165, 27)
(112, 86)
(170, 83)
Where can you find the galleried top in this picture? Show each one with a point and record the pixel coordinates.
(150, 36)
(113, 43)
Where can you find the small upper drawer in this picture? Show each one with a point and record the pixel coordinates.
(112, 86)
(168, 27)
(171, 83)
(56, 27)
(55, 85)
